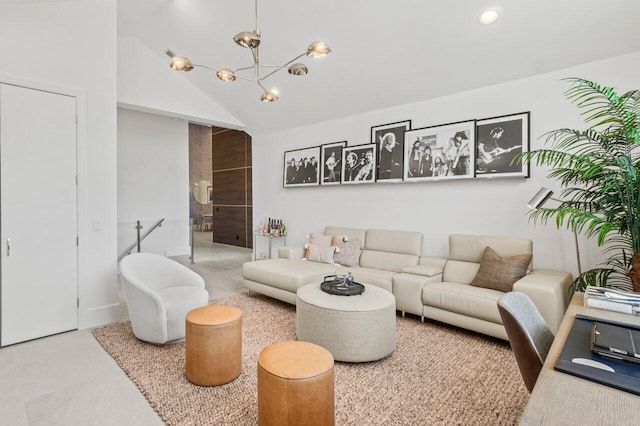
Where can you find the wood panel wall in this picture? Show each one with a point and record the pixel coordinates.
(232, 201)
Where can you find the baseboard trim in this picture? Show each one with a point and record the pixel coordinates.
(95, 317)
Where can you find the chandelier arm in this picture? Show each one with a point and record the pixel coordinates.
(256, 62)
(250, 67)
(244, 78)
(260, 84)
(204, 66)
(279, 67)
(234, 72)
(256, 9)
(286, 63)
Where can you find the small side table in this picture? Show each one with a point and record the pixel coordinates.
(295, 385)
(213, 345)
(259, 235)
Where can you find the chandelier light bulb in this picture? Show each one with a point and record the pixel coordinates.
(298, 69)
(248, 39)
(318, 49)
(271, 96)
(180, 63)
(225, 74)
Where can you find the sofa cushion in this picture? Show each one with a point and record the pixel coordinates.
(404, 242)
(349, 254)
(286, 274)
(377, 277)
(351, 233)
(321, 254)
(499, 273)
(475, 302)
(470, 248)
(387, 261)
(460, 272)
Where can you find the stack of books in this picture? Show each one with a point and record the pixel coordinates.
(612, 300)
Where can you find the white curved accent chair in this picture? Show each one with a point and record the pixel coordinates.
(159, 293)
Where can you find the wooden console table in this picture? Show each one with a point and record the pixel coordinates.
(562, 399)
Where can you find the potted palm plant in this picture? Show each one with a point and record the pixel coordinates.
(599, 171)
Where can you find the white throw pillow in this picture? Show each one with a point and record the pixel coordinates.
(320, 254)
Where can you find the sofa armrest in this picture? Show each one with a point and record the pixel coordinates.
(549, 291)
(294, 252)
(436, 262)
(424, 270)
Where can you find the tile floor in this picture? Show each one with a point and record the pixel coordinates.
(68, 379)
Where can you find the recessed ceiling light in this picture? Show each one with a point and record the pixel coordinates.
(489, 17)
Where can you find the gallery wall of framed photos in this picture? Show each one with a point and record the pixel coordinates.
(473, 149)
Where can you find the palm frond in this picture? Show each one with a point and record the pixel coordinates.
(599, 171)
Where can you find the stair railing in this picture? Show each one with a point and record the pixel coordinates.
(139, 238)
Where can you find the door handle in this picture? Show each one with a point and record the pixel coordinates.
(8, 247)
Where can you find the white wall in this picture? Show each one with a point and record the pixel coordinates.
(72, 45)
(153, 180)
(494, 207)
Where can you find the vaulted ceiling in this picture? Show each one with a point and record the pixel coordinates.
(384, 53)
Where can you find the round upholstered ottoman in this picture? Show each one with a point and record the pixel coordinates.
(353, 328)
(213, 341)
(295, 385)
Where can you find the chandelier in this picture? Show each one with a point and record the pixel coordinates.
(251, 41)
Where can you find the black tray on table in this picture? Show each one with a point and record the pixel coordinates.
(334, 284)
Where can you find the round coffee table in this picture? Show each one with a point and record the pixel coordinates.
(353, 328)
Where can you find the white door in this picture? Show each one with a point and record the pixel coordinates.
(38, 223)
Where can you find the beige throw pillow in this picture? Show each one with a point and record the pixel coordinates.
(320, 254)
(339, 239)
(500, 273)
(320, 240)
(349, 254)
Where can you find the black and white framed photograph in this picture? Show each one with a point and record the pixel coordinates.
(331, 163)
(439, 152)
(499, 141)
(388, 138)
(301, 167)
(359, 164)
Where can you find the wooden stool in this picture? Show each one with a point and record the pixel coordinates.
(295, 385)
(213, 338)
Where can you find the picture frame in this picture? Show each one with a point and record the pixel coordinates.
(359, 164)
(389, 140)
(331, 162)
(499, 140)
(301, 167)
(440, 152)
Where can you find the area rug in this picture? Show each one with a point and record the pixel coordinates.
(438, 375)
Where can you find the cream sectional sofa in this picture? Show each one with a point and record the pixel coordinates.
(431, 287)
(384, 255)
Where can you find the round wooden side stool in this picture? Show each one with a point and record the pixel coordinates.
(295, 385)
(213, 342)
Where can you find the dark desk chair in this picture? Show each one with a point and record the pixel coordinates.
(529, 336)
